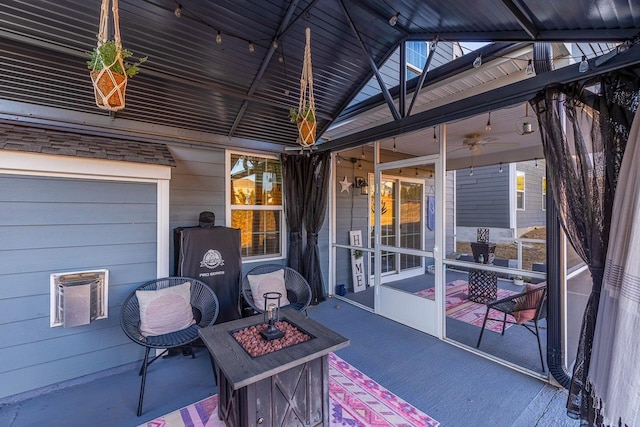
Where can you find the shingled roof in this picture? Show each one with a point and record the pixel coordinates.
(65, 143)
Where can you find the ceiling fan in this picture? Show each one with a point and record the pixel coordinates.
(475, 142)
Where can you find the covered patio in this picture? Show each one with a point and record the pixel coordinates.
(429, 116)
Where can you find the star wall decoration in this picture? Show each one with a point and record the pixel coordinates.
(345, 184)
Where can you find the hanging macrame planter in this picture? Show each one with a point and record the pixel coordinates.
(109, 72)
(305, 117)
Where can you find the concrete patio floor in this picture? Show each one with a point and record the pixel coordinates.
(453, 386)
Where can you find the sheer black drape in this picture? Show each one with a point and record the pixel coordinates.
(584, 128)
(294, 192)
(317, 173)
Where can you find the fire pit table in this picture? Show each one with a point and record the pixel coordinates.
(285, 387)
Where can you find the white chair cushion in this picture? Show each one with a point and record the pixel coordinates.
(268, 282)
(165, 310)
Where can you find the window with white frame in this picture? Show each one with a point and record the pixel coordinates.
(256, 204)
(544, 193)
(520, 186)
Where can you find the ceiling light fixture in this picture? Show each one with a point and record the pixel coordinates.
(178, 11)
(584, 64)
(488, 126)
(219, 37)
(529, 70)
(252, 48)
(394, 19)
(478, 61)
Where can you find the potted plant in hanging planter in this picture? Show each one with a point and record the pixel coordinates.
(109, 71)
(306, 122)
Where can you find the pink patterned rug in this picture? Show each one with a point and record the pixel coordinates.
(355, 401)
(459, 306)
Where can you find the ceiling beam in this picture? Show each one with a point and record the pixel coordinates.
(443, 72)
(372, 63)
(263, 67)
(559, 36)
(478, 104)
(423, 76)
(527, 25)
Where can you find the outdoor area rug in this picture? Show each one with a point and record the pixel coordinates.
(459, 306)
(355, 400)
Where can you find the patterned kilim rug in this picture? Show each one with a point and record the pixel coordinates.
(355, 400)
(459, 306)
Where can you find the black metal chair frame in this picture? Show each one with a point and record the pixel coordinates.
(205, 306)
(508, 305)
(298, 290)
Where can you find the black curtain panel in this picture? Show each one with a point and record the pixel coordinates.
(584, 128)
(316, 197)
(293, 170)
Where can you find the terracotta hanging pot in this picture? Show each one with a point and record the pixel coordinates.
(109, 86)
(307, 132)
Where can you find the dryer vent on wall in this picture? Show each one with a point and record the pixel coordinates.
(79, 297)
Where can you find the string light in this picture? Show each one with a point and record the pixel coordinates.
(435, 139)
(178, 11)
(394, 145)
(500, 168)
(362, 155)
(280, 58)
(275, 43)
(529, 70)
(488, 126)
(219, 37)
(536, 160)
(416, 171)
(471, 171)
(400, 172)
(360, 165)
(252, 48)
(584, 65)
(394, 19)
(478, 61)
(338, 159)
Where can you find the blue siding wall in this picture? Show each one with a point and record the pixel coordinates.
(50, 225)
(483, 199)
(197, 184)
(533, 215)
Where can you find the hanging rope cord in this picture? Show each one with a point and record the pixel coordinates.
(307, 104)
(109, 86)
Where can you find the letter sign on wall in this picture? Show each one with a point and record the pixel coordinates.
(357, 262)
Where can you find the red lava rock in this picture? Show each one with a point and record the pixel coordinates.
(253, 343)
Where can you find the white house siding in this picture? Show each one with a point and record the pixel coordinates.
(50, 225)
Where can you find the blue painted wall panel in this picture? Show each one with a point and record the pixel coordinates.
(50, 225)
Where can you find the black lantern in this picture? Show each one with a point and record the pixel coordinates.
(271, 316)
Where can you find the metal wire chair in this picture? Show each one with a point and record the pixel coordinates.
(205, 308)
(298, 290)
(532, 301)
